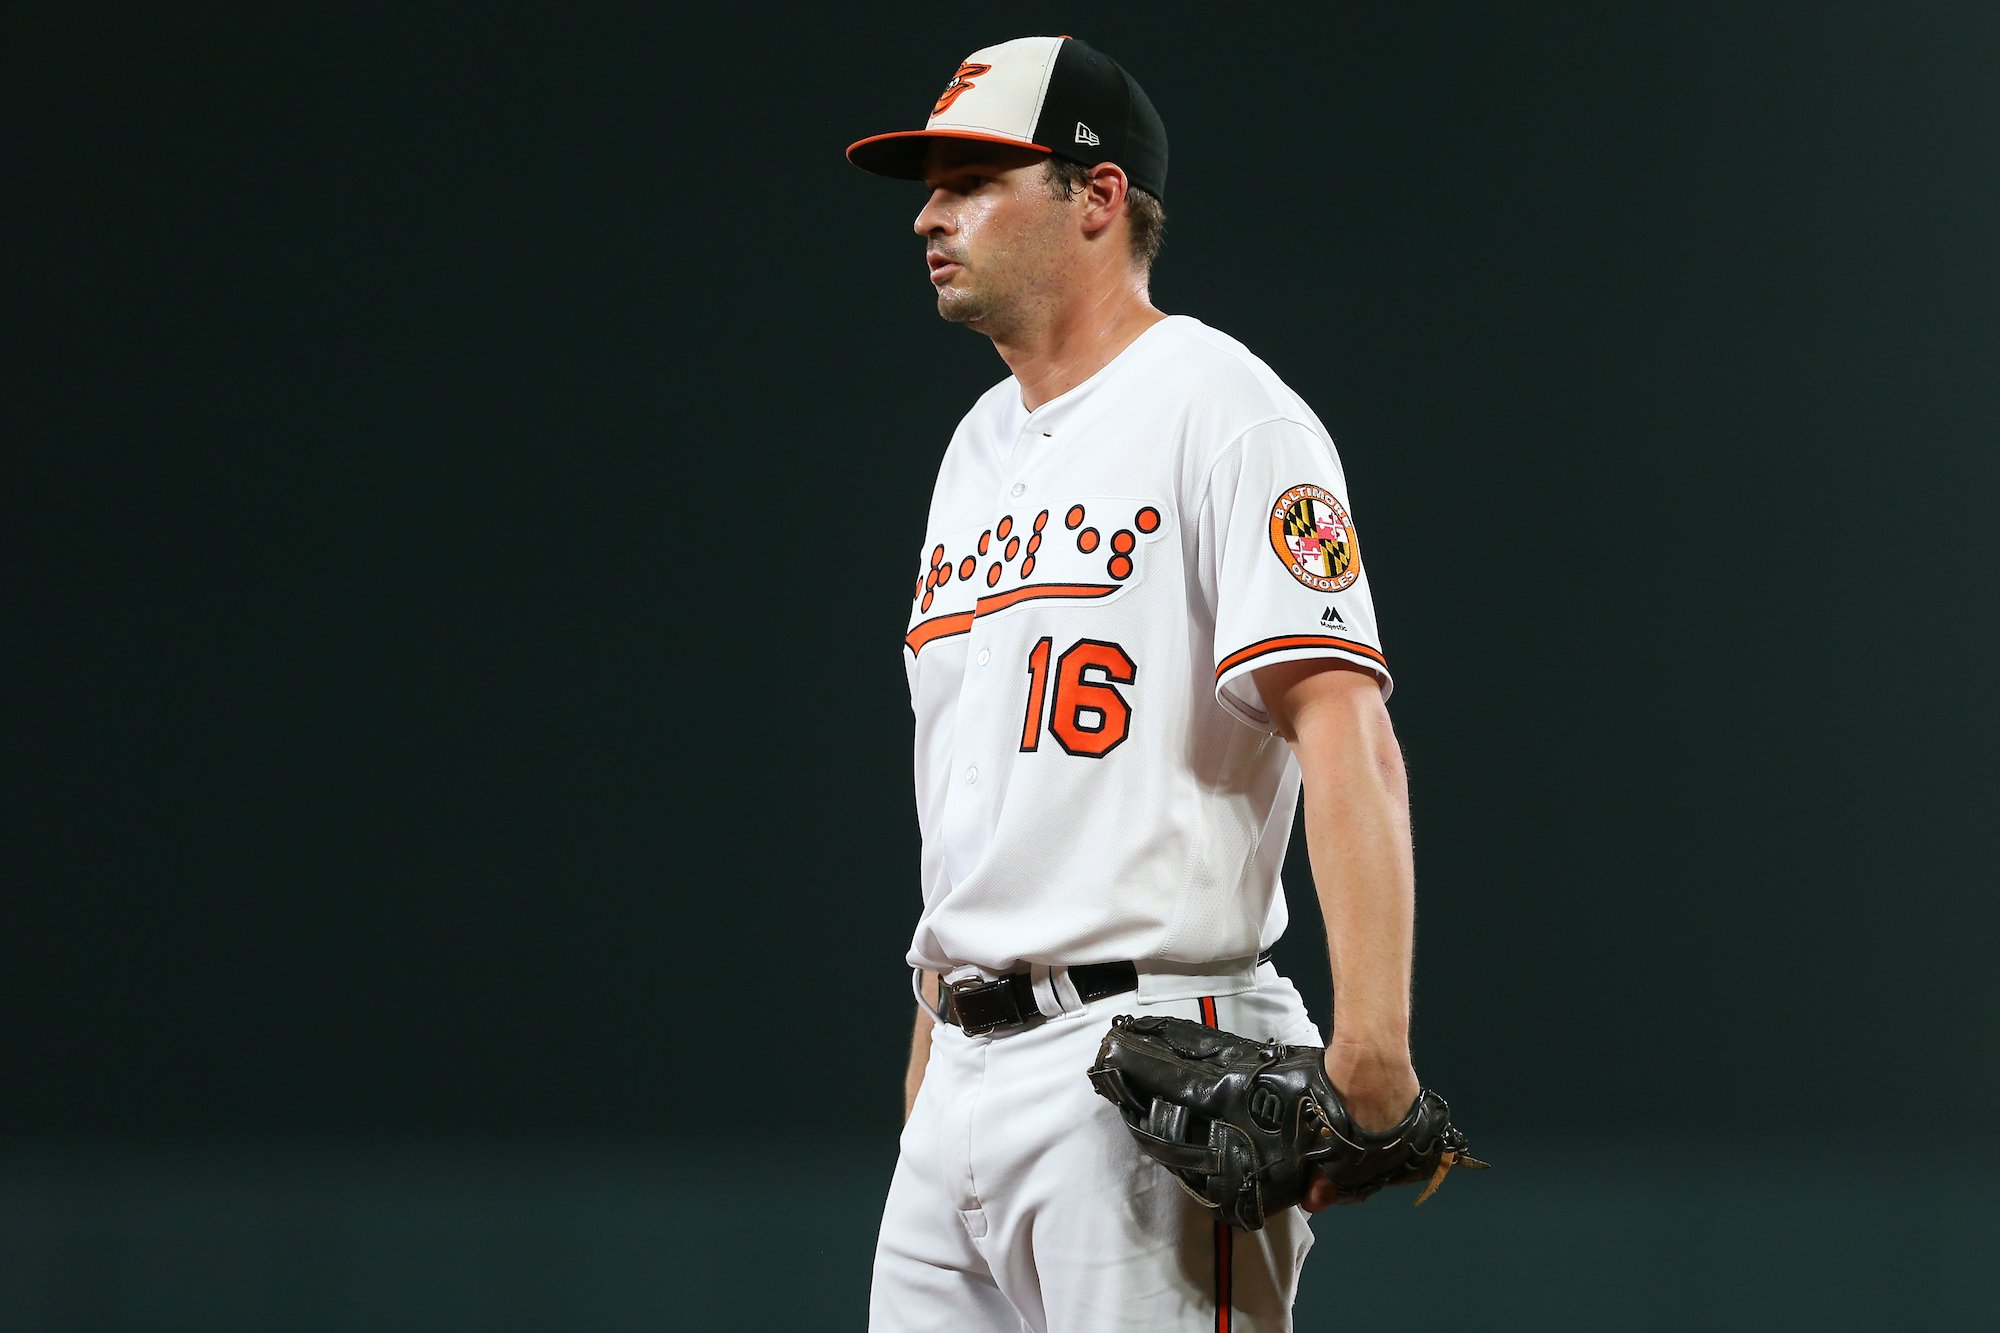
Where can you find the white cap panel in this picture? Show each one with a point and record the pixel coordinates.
(1006, 97)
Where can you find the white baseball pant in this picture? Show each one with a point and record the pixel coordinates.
(1020, 1200)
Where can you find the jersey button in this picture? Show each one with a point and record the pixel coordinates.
(1019, 488)
(985, 656)
(971, 775)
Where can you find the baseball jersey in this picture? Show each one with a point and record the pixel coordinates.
(1096, 775)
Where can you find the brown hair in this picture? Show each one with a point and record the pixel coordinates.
(1148, 216)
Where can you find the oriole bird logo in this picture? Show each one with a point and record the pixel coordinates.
(958, 85)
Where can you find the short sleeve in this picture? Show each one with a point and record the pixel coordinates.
(1282, 562)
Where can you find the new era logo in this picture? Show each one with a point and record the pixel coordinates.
(1084, 134)
(1331, 617)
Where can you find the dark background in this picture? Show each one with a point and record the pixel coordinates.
(464, 464)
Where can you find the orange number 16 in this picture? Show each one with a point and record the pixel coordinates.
(1087, 716)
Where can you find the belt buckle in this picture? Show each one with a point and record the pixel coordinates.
(973, 985)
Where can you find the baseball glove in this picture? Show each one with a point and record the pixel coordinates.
(1244, 1126)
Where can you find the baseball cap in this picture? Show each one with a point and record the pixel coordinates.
(1051, 94)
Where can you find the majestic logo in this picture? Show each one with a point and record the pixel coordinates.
(1331, 618)
(1315, 539)
(1084, 134)
(960, 83)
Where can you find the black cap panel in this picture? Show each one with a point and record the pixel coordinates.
(1090, 96)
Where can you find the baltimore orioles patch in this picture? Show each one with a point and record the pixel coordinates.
(1315, 539)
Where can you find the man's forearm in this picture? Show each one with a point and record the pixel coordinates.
(920, 1048)
(1357, 817)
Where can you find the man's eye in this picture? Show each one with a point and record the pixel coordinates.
(964, 184)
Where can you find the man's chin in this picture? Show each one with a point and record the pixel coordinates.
(959, 307)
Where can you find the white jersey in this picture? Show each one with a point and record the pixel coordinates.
(1096, 777)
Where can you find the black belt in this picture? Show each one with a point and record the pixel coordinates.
(1006, 1002)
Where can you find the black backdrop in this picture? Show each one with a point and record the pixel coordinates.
(464, 465)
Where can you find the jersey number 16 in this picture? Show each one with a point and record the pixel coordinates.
(1087, 715)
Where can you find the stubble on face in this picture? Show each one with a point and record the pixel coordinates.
(1009, 242)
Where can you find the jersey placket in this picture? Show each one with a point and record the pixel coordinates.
(988, 712)
(983, 720)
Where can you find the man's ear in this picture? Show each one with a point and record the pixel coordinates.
(1104, 194)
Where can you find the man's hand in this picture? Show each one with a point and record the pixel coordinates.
(1378, 1089)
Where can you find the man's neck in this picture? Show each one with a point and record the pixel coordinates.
(1054, 360)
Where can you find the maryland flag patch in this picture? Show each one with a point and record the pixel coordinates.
(1314, 538)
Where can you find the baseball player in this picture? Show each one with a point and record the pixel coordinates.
(1139, 618)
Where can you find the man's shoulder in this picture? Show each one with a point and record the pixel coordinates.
(1215, 360)
(1226, 383)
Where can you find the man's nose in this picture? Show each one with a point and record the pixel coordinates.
(933, 218)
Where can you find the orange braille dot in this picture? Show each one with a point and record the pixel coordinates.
(937, 556)
(993, 574)
(1006, 526)
(1120, 567)
(1041, 520)
(1086, 541)
(985, 540)
(1121, 542)
(966, 566)
(927, 600)
(1147, 519)
(944, 573)
(919, 592)
(1013, 547)
(1034, 543)
(1074, 517)
(1027, 566)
